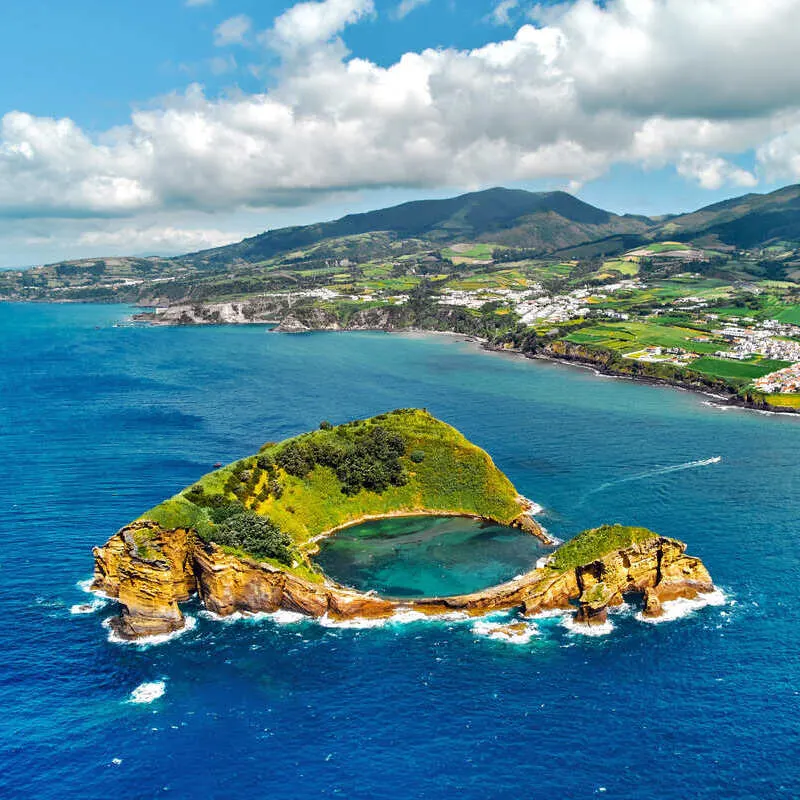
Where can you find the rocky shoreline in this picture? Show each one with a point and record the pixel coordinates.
(150, 590)
(596, 366)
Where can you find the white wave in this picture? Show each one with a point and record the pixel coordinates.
(683, 607)
(407, 617)
(149, 641)
(280, 617)
(86, 586)
(534, 509)
(400, 617)
(236, 616)
(717, 406)
(283, 617)
(147, 692)
(550, 613)
(572, 626)
(503, 632)
(88, 608)
(357, 623)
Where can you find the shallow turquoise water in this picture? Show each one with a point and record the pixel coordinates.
(98, 423)
(427, 556)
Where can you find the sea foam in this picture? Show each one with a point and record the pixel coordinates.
(88, 608)
(280, 617)
(150, 641)
(148, 692)
(568, 621)
(501, 632)
(86, 586)
(683, 607)
(358, 623)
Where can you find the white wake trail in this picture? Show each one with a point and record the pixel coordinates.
(704, 462)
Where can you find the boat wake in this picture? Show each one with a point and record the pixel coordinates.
(704, 462)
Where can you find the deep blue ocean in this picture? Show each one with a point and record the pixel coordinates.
(98, 423)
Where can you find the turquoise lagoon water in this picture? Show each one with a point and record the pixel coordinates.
(427, 556)
(99, 422)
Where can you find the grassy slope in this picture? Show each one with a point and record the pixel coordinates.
(455, 476)
(597, 542)
(791, 315)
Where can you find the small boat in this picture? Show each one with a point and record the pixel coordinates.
(217, 465)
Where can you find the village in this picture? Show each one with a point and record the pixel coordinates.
(784, 381)
(769, 339)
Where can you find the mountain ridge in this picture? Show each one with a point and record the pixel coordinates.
(514, 214)
(418, 237)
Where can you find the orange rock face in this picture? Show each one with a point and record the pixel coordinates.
(150, 581)
(148, 589)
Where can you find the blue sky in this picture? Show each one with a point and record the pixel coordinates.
(138, 127)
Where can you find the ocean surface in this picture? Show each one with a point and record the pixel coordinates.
(98, 423)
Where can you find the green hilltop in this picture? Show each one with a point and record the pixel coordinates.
(592, 544)
(273, 504)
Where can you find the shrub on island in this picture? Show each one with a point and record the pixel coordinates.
(368, 458)
(245, 530)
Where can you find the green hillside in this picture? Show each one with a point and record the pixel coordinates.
(508, 216)
(752, 220)
(405, 461)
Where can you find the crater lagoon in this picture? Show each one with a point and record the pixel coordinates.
(427, 556)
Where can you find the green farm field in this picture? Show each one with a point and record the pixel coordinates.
(790, 315)
(737, 371)
(629, 336)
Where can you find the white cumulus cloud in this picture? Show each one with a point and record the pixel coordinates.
(688, 83)
(233, 30)
(310, 23)
(713, 172)
(501, 13)
(405, 7)
(156, 239)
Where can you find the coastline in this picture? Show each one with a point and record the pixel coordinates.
(719, 400)
(727, 400)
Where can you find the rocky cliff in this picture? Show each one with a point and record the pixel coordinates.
(268, 309)
(148, 580)
(150, 586)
